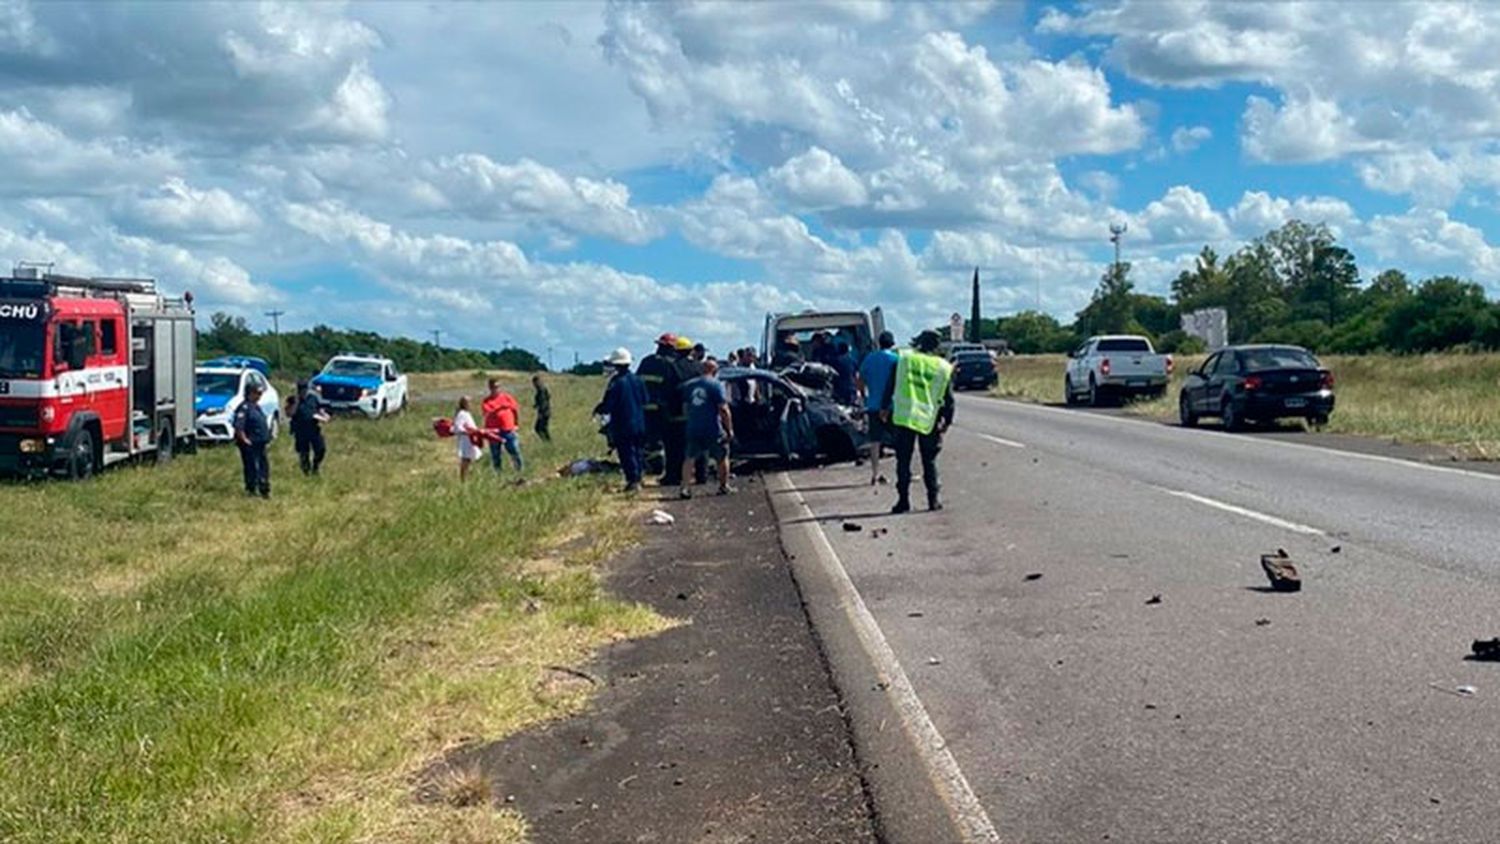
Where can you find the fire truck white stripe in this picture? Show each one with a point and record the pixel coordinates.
(84, 382)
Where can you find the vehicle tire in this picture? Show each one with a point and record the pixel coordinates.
(1068, 398)
(1317, 423)
(1229, 416)
(166, 440)
(79, 464)
(1096, 395)
(381, 414)
(1185, 415)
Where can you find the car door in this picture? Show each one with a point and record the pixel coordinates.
(1221, 380)
(1197, 383)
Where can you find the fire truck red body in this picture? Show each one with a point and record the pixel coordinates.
(92, 371)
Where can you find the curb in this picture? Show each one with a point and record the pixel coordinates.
(918, 793)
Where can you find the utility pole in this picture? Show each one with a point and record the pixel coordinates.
(437, 337)
(549, 358)
(276, 328)
(1116, 233)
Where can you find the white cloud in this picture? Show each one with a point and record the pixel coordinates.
(818, 180)
(1440, 243)
(1185, 139)
(177, 207)
(1181, 216)
(1258, 212)
(39, 159)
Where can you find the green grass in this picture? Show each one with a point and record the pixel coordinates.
(178, 662)
(1450, 400)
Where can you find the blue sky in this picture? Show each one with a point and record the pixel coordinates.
(584, 175)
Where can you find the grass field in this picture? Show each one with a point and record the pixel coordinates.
(1448, 400)
(181, 663)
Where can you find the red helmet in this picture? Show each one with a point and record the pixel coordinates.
(667, 339)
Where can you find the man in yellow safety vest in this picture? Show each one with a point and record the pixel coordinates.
(918, 405)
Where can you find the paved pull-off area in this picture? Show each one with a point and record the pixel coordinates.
(1079, 707)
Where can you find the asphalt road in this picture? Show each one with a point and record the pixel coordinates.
(1078, 711)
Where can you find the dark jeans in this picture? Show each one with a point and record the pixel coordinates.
(629, 450)
(510, 442)
(907, 442)
(544, 428)
(311, 449)
(257, 467)
(674, 448)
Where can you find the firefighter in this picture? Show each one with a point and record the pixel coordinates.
(253, 433)
(662, 378)
(919, 405)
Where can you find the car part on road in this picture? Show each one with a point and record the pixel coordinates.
(1036, 575)
(1460, 691)
(1486, 650)
(660, 517)
(1281, 571)
(1153, 600)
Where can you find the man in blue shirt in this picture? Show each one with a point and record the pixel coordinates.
(625, 401)
(710, 425)
(253, 433)
(875, 375)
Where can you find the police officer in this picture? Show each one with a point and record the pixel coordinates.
(253, 433)
(659, 373)
(919, 406)
(307, 429)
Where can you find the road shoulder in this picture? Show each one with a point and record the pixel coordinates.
(726, 728)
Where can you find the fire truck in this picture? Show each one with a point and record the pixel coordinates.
(93, 371)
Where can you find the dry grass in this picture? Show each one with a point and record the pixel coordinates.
(181, 662)
(1450, 400)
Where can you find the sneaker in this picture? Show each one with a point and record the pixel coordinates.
(902, 506)
(726, 490)
(632, 487)
(685, 494)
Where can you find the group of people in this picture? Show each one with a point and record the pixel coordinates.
(305, 416)
(674, 397)
(832, 351)
(502, 426)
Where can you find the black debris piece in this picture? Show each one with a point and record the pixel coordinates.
(1337, 549)
(1487, 650)
(1154, 599)
(1282, 573)
(914, 614)
(852, 527)
(1036, 575)
(1262, 622)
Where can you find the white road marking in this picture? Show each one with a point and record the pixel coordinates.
(942, 769)
(1294, 527)
(1001, 441)
(1242, 439)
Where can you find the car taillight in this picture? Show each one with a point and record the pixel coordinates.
(1253, 382)
(1104, 366)
(1171, 364)
(1327, 380)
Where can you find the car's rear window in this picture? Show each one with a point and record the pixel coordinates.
(1124, 344)
(1260, 360)
(972, 357)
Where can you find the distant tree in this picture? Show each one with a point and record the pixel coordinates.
(1444, 313)
(976, 323)
(1110, 310)
(1034, 333)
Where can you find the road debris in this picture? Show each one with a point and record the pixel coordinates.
(1281, 572)
(1036, 575)
(1154, 599)
(1337, 549)
(853, 527)
(660, 517)
(1262, 622)
(914, 614)
(932, 660)
(1460, 691)
(1487, 650)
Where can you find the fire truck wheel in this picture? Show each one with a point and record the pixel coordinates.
(80, 459)
(166, 441)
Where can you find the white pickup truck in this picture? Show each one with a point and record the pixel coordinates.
(1115, 366)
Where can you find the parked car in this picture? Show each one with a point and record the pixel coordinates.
(1115, 366)
(1261, 383)
(219, 388)
(364, 383)
(961, 348)
(775, 419)
(974, 370)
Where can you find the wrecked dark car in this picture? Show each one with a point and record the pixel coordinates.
(778, 420)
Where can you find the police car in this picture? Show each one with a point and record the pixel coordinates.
(220, 387)
(369, 384)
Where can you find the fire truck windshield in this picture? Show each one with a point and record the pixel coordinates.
(23, 350)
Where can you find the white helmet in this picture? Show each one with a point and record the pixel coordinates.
(619, 357)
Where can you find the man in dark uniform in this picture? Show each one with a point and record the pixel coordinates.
(624, 403)
(542, 403)
(307, 429)
(689, 366)
(253, 433)
(661, 377)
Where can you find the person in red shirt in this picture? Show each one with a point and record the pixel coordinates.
(502, 413)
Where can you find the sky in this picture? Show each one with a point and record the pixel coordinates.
(572, 177)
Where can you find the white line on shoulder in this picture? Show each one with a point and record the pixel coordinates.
(1294, 527)
(1001, 441)
(963, 806)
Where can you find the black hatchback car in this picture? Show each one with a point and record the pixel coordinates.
(974, 370)
(1259, 383)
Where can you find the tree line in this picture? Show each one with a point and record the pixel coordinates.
(296, 353)
(1295, 284)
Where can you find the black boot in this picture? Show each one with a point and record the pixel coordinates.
(903, 505)
(933, 503)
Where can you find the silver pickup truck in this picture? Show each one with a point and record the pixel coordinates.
(1115, 366)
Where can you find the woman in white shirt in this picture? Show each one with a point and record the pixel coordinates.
(463, 426)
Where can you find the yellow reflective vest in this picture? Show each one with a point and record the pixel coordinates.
(921, 384)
